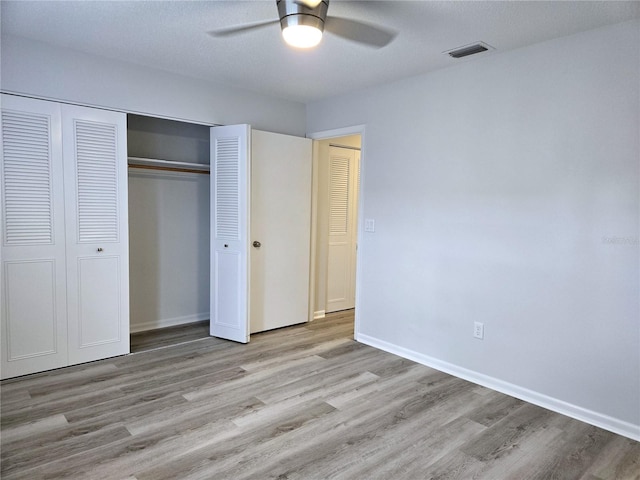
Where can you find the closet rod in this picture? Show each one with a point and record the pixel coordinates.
(344, 146)
(168, 165)
(170, 169)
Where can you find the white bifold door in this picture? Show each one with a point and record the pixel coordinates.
(33, 251)
(64, 251)
(260, 231)
(96, 200)
(230, 160)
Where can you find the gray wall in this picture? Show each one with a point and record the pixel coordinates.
(150, 137)
(38, 69)
(505, 190)
(168, 225)
(168, 248)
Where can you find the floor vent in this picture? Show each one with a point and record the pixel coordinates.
(467, 50)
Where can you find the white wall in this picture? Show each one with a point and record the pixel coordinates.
(169, 248)
(38, 69)
(496, 186)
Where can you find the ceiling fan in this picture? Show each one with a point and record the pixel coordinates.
(303, 22)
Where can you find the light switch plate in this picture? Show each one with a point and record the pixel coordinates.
(369, 225)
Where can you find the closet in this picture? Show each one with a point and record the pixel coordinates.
(168, 222)
(64, 249)
(230, 242)
(94, 235)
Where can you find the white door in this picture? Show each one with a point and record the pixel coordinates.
(230, 167)
(32, 249)
(281, 223)
(343, 204)
(96, 206)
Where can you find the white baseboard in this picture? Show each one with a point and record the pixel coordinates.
(319, 314)
(574, 411)
(168, 322)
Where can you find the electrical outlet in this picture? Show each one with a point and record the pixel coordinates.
(478, 330)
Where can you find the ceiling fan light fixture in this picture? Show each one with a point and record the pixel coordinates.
(302, 36)
(302, 25)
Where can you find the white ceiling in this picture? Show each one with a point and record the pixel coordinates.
(171, 35)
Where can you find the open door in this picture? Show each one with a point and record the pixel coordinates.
(230, 157)
(280, 230)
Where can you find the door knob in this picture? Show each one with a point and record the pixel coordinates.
(257, 244)
(99, 249)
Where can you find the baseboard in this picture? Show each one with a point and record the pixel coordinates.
(168, 322)
(579, 413)
(319, 314)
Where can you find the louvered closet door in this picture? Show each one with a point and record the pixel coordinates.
(32, 274)
(230, 157)
(95, 156)
(341, 254)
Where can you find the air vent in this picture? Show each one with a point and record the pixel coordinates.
(467, 50)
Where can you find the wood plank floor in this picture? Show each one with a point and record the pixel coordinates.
(167, 337)
(305, 402)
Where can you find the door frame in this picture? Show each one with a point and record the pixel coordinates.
(326, 135)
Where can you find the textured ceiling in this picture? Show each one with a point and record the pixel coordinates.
(172, 36)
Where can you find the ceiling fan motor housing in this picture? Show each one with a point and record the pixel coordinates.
(297, 13)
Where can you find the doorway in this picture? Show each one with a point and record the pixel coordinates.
(336, 199)
(169, 233)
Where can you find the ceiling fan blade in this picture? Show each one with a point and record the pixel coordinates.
(308, 3)
(239, 29)
(371, 35)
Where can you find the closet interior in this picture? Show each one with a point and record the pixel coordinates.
(169, 235)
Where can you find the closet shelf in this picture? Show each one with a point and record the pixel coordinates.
(167, 165)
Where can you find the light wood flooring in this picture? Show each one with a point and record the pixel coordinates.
(305, 402)
(167, 337)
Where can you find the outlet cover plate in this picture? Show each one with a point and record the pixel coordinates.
(478, 330)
